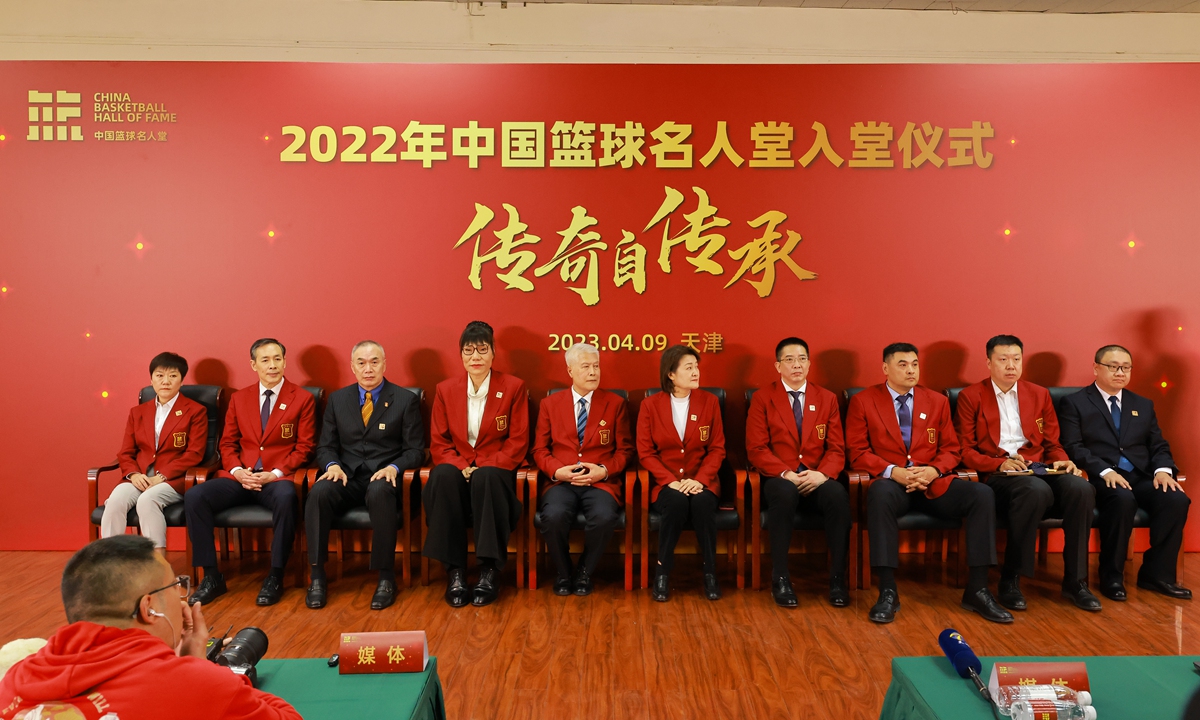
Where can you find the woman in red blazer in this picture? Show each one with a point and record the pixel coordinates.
(164, 438)
(681, 443)
(479, 436)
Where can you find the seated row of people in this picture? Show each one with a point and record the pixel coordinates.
(900, 433)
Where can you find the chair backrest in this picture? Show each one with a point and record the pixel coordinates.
(851, 392)
(210, 397)
(317, 393)
(952, 396)
(418, 392)
(725, 474)
(623, 393)
(719, 392)
(1058, 394)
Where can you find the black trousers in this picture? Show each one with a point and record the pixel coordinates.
(328, 500)
(677, 510)
(830, 500)
(973, 502)
(561, 502)
(1023, 500)
(1168, 514)
(488, 503)
(203, 502)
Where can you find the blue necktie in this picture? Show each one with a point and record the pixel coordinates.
(266, 415)
(798, 411)
(1123, 463)
(905, 417)
(581, 423)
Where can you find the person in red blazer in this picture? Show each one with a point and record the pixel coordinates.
(681, 442)
(799, 474)
(902, 434)
(1006, 425)
(164, 438)
(479, 436)
(270, 432)
(582, 445)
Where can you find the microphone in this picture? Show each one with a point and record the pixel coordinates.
(963, 658)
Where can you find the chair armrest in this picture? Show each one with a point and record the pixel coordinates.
(965, 474)
(532, 485)
(198, 474)
(644, 480)
(1181, 478)
(631, 481)
(93, 480)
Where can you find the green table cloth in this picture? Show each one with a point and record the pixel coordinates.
(1157, 688)
(318, 692)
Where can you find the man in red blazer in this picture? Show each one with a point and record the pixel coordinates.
(479, 436)
(270, 431)
(800, 474)
(582, 444)
(164, 438)
(902, 434)
(1007, 425)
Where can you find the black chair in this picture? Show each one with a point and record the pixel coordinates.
(243, 517)
(728, 517)
(536, 480)
(808, 522)
(933, 527)
(210, 397)
(357, 518)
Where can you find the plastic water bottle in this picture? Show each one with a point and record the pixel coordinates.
(1011, 693)
(1051, 710)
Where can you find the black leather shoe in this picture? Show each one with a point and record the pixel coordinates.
(211, 588)
(660, 590)
(271, 591)
(1170, 589)
(839, 592)
(885, 608)
(486, 590)
(562, 585)
(315, 598)
(1114, 591)
(583, 583)
(456, 588)
(385, 594)
(781, 590)
(712, 590)
(1082, 597)
(982, 602)
(1010, 595)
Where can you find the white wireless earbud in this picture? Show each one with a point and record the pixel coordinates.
(155, 613)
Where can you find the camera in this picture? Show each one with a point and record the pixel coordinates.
(242, 653)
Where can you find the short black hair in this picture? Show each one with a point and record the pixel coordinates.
(1003, 340)
(99, 580)
(894, 348)
(788, 341)
(169, 361)
(1109, 348)
(671, 358)
(477, 331)
(266, 341)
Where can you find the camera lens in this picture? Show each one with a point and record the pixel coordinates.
(246, 648)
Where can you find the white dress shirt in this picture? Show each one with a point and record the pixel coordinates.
(476, 401)
(262, 390)
(1108, 405)
(1012, 436)
(577, 397)
(161, 413)
(679, 413)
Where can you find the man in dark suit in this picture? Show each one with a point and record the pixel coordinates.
(1113, 435)
(372, 433)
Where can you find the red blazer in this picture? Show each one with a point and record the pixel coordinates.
(181, 443)
(606, 439)
(700, 454)
(772, 444)
(978, 423)
(290, 437)
(503, 439)
(873, 435)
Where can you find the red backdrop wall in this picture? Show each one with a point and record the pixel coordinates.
(1092, 174)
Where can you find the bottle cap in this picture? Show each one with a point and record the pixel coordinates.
(1084, 697)
(1089, 712)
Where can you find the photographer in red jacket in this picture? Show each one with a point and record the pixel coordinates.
(134, 649)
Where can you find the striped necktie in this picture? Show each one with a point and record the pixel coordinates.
(581, 422)
(367, 408)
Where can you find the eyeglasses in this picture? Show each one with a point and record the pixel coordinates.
(793, 360)
(183, 582)
(1118, 368)
(481, 350)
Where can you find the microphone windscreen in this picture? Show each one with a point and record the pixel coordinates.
(959, 653)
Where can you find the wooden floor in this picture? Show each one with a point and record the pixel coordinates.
(620, 655)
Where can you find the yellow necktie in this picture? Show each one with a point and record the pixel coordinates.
(367, 408)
